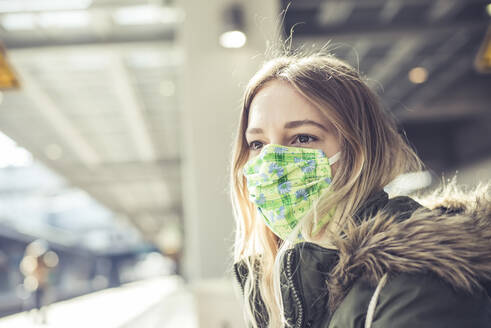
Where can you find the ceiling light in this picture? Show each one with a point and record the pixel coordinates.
(418, 75)
(11, 154)
(233, 39)
(18, 22)
(145, 15)
(488, 9)
(10, 6)
(233, 35)
(64, 19)
(146, 59)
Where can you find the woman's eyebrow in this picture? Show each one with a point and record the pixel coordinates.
(254, 131)
(296, 124)
(289, 125)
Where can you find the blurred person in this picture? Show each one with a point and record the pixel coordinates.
(319, 243)
(36, 265)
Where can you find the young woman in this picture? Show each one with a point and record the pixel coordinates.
(318, 241)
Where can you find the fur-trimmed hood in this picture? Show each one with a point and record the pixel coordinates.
(446, 234)
(450, 236)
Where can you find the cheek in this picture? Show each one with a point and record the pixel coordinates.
(330, 146)
(333, 168)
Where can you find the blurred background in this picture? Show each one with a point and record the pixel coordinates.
(116, 124)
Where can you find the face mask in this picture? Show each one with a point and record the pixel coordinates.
(284, 182)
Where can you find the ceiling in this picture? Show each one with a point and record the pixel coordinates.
(98, 105)
(447, 116)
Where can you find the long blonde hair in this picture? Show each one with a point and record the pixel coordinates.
(373, 153)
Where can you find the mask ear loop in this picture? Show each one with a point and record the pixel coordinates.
(334, 158)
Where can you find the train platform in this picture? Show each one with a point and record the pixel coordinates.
(162, 302)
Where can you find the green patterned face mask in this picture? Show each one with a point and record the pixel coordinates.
(284, 182)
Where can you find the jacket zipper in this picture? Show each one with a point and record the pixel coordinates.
(296, 297)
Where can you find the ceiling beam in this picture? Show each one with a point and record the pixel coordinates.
(158, 165)
(400, 53)
(334, 12)
(395, 30)
(358, 52)
(12, 42)
(309, 4)
(132, 109)
(99, 190)
(161, 212)
(103, 183)
(54, 115)
(444, 9)
(390, 10)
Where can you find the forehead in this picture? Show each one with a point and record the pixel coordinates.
(279, 102)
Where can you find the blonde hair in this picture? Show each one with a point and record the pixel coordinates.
(373, 153)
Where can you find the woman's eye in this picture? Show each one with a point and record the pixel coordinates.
(255, 145)
(304, 138)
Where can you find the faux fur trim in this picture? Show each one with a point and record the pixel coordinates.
(450, 237)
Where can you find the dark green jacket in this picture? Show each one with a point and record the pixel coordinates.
(437, 260)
